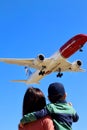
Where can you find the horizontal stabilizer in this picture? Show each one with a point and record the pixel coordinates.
(25, 81)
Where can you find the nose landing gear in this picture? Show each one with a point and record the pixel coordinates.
(81, 50)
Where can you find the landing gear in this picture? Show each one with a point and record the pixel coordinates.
(81, 50)
(59, 74)
(42, 72)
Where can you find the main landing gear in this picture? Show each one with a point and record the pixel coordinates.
(42, 72)
(59, 74)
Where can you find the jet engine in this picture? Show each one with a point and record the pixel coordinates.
(39, 59)
(76, 65)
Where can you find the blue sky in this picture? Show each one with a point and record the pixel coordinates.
(29, 28)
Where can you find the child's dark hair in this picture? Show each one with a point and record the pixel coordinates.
(55, 98)
(55, 92)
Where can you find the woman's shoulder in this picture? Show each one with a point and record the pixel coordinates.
(45, 123)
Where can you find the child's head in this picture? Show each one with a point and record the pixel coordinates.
(56, 92)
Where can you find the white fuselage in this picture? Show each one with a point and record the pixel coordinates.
(51, 67)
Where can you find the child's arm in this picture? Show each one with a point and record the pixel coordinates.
(28, 118)
(33, 116)
(75, 115)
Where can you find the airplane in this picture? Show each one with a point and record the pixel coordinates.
(56, 63)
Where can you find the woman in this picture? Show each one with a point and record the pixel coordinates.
(34, 100)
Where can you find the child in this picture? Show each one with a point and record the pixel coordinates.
(62, 113)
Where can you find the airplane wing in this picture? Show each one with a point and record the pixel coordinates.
(33, 63)
(72, 67)
(23, 62)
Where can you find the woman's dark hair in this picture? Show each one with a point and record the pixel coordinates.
(34, 100)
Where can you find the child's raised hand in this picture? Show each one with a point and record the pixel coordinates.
(70, 103)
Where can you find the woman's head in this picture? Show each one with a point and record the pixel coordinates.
(34, 100)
